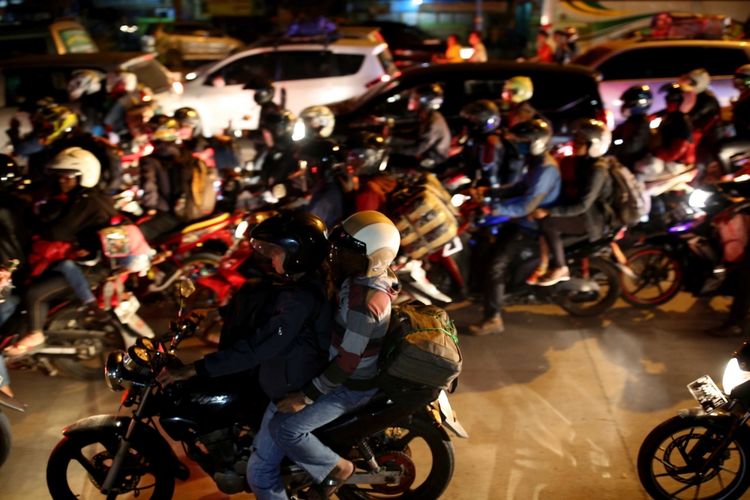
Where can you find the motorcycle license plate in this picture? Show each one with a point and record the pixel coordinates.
(707, 393)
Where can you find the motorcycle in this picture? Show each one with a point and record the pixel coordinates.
(6, 439)
(128, 454)
(688, 255)
(703, 452)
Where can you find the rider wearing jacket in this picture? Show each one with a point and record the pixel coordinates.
(539, 187)
(740, 119)
(632, 138)
(287, 342)
(433, 137)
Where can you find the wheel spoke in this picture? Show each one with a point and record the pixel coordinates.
(85, 463)
(675, 493)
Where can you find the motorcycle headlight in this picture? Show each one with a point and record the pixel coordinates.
(113, 371)
(734, 376)
(698, 198)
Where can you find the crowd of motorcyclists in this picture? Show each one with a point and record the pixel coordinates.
(57, 197)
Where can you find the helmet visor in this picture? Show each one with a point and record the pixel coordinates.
(341, 240)
(347, 255)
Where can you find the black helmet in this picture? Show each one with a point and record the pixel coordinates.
(187, 116)
(365, 153)
(483, 115)
(164, 128)
(674, 93)
(537, 133)
(321, 156)
(301, 235)
(636, 100)
(10, 174)
(264, 93)
(595, 134)
(428, 96)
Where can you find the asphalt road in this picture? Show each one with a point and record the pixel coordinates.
(556, 406)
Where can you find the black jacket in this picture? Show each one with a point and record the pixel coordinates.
(289, 348)
(165, 177)
(78, 218)
(631, 140)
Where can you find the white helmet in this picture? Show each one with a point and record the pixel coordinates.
(80, 162)
(84, 81)
(369, 236)
(319, 120)
(595, 134)
(121, 82)
(697, 80)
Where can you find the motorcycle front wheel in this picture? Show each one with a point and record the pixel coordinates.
(606, 277)
(421, 451)
(79, 464)
(657, 277)
(681, 458)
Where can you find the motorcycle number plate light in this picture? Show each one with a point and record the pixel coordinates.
(707, 393)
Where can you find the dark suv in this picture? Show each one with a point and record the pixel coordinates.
(561, 93)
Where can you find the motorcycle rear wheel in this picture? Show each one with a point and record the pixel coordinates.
(88, 366)
(672, 460)
(607, 278)
(94, 454)
(658, 278)
(416, 443)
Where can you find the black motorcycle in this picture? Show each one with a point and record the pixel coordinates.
(398, 441)
(703, 452)
(688, 255)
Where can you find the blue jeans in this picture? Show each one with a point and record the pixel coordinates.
(76, 279)
(292, 432)
(263, 468)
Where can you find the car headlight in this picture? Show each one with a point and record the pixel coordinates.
(698, 198)
(734, 376)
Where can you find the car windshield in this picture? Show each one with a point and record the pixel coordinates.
(591, 56)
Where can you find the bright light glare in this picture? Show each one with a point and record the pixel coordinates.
(566, 150)
(618, 142)
(698, 198)
(655, 123)
(742, 178)
(458, 199)
(191, 76)
(733, 376)
(299, 131)
(385, 78)
(466, 52)
(177, 87)
(416, 3)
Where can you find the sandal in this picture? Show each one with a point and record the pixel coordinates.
(25, 346)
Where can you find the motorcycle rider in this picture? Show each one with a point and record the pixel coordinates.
(704, 111)
(675, 152)
(539, 188)
(165, 179)
(367, 154)
(584, 208)
(217, 151)
(492, 159)
(74, 215)
(285, 339)
(740, 119)
(515, 101)
(432, 141)
(331, 182)
(631, 139)
(362, 249)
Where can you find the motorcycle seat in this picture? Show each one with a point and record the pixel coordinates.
(193, 225)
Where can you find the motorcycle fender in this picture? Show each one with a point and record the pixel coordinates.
(577, 285)
(145, 436)
(743, 432)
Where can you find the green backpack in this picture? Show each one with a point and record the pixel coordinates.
(421, 346)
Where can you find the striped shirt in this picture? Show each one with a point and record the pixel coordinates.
(361, 324)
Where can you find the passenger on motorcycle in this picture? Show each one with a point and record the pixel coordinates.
(539, 188)
(281, 330)
(367, 154)
(73, 215)
(584, 206)
(631, 140)
(491, 159)
(675, 151)
(165, 180)
(362, 249)
(431, 142)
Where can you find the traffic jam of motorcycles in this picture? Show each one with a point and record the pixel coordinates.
(331, 263)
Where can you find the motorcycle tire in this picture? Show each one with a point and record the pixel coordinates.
(605, 274)
(435, 482)
(653, 266)
(664, 467)
(87, 366)
(6, 440)
(71, 449)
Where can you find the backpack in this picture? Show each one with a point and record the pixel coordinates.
(200, 195)
(630, 201)
(421, 346)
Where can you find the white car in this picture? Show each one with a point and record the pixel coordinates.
(625, 63)
(308, 73)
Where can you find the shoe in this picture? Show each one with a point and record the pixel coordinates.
(533, 278)
(25, 346)
(331, 484)
(554, 276)
(487, 326)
